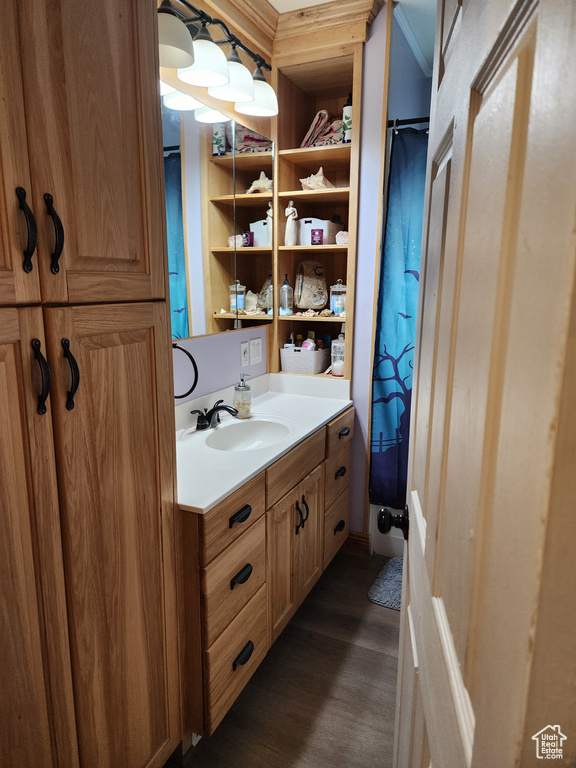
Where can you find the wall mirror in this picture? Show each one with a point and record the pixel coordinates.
(219, 233)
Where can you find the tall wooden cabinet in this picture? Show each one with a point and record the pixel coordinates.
(88, 633)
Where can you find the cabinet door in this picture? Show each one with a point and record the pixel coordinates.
(308, 559)
(280, 533)
(90, 73)
(16, 284)
(36, 707)
(115, 457)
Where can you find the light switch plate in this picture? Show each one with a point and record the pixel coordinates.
(244, 354)
(255, 351)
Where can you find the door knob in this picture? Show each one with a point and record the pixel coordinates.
(387, 520)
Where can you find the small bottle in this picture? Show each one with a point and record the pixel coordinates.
(338, 297)
(347, 121)
(242, 399)
(237, 295)
(299, 339)
(286, 297)
(270, 299)
(338, 356)
(310, 342)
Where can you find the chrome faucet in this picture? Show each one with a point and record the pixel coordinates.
(209, 418)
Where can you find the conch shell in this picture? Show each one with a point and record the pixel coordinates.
(316, 181)
(262, 184)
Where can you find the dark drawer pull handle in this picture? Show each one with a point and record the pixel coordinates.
(242, 576)
(340, 473)
(301, 516)
(58, 232)
(45, 373)
(243, 656)
(307, 510)
(74, 370)
(343, 433)
(241, 516)
(340, 527)
(28, 252)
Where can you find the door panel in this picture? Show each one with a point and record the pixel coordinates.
(492, 435)
(308, 559)
(36, 707)
(16, 285)
(94, 138)
(280, 528)
(115, 450)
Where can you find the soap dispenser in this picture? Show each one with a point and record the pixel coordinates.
(242, 399)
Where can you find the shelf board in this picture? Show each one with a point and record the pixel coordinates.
(245, 161)
(230, 316)
(315, 319)
(240, 249)
(322, 196)
(327, 247)
(333, 156)
(244, 200)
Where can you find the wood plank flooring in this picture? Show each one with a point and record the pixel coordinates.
(324, 696)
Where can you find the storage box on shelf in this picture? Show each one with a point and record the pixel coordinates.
(303, 89)
(229, 210)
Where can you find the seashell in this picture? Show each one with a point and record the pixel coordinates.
(262, 184)
(316, 181)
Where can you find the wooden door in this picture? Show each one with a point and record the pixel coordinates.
(308, 545)
(36, 706)
(488, 616)
(115, 456)
(90, 73)
(17, 284)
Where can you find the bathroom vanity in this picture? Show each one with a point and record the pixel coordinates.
(256, 537)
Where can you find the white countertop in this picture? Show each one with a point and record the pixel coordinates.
(207, 475)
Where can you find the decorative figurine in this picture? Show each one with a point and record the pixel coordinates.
(269, 223)
(291, 234)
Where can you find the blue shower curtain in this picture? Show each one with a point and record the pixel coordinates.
(396, 319)
(175, 235)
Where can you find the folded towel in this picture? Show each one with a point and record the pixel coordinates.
(246, 140)
(332, 134)
(318, 124)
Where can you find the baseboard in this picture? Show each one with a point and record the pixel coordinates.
(357, 544)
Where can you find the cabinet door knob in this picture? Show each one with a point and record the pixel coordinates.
(74, 371)
(243, 656)
(343, 433)
(241, 516)
(28, 252)
(340, 473)
(58, 233)
(339, 527)
(45, 373)
(242, 576)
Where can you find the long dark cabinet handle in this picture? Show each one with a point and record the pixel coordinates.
(301, 516)
(28, 252)
(74, 370)
(307, 510)
(241, 516)
(242, 576)
(243, 656)
(45, 373)
(58, 233)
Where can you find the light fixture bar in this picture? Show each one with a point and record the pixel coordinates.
(203, 17)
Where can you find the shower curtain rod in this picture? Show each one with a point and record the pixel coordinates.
(395, 123)
(172, 149)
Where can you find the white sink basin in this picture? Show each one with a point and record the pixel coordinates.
(251, 434)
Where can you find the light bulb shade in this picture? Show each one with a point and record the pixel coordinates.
(165, 89)
(241, 86)
(210, 115)
(175, 42)
(181, 101)
(210, 67)
(265, 103)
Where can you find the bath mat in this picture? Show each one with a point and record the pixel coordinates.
(387, 587)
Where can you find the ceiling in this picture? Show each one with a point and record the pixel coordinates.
(417, 19)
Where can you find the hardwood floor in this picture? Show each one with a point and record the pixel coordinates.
(324, 696)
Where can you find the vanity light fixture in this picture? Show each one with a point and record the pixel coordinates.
(165, 89)
(210, 67)
(241, 86)
(174, 39)
(210, 115)
(181, 101)
(265, 103)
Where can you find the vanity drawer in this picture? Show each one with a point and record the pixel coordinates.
(223, 597)
(337, 476)
(287, 472)
(230, 661)
(336, 526)
(339, 432)
(218, 528)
